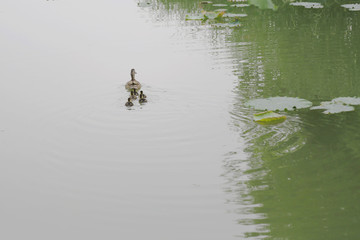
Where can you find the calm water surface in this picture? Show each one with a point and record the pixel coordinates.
(191, 163)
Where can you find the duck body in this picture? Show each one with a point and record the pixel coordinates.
(142, 100)
(129, 103)
(142, 95)
(132, 95)
(133, 83)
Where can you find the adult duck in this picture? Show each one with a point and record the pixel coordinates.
(133, 83)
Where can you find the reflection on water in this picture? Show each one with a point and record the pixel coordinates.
(296, 180)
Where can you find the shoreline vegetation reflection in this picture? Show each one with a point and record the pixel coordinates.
(298, 179)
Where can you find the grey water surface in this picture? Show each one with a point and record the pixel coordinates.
(75, 163)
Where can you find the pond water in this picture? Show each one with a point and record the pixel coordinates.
(75, 163)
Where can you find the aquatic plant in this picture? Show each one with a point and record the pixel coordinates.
(220, 5)
(239, 5)
(205, 16)
(234, 15)
(269, 117)
(338, 105)
(352, 7)
(307, 4)
(263, 4)
(279, 103)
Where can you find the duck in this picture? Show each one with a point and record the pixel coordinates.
(142, 95)
(133, 83)
(129, 103)
(142, 99)
(132, 94)
(135, 92)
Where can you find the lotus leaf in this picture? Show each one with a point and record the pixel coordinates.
(220, 10)
(233, 15)
(347, 100)
(212, 15)
(269, 117)
(307, 4)
(338, 105)
(194, 17)
(263, 4)
(144, 4)
(240, 5)
(352, 7)
(220, 5)
(279, 103)
(333, 107)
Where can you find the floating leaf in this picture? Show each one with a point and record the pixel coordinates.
(352, 7)
(144, 4)
(278, 103)
(263, 4)
(234, 15)
(338, 105)
(307, 4)
(220, 10)
(333, 107)
(240, 5)
(347, 100)
(194, 17)
(212, 15)
(269, 117)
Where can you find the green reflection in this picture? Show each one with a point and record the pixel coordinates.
(299, 179)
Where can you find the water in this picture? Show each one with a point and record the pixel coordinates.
(191, 163)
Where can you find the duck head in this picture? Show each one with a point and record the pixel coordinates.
(132, 73)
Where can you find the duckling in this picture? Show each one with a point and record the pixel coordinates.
(132, 95)
(133, 83)
(129, 103)
(142, 94)
(142, 99)
(135, 92)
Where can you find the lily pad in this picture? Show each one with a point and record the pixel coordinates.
(269, 117)
(347, 100)
(194, 17)
(352, 7)
(338, 105)
(331, 107)
(220, 5)
(240, 5)
(279, 103)
(307, 4)
(220, 10)
(263, 4)
(212, 15)
(144, 4)
(234, 15)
